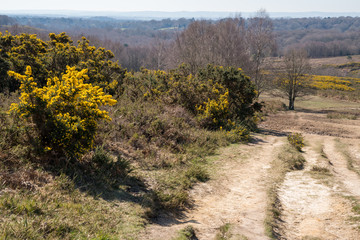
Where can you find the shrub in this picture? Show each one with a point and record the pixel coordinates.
(241, 91)
(107, 167)
(197, 173)
(49, 59)
(296, 140)
(217, 95)
(215, 113)
(100, 157)
(64, 113)
(187, 233)
(238, 134)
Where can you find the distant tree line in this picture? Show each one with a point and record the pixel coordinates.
(320, 37)
(237, 42)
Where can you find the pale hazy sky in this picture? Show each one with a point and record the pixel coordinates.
(185, 5)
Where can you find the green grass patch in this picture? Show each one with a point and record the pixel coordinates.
(338, 115)
(187, 233)
(52, 214)
(323, 103)
(226, 232)
(356, 210)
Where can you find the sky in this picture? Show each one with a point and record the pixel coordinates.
(186, 5)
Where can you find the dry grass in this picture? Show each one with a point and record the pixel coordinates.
(146, 160)
(322, 171)
(338, 115)
(273, 106)
(58, 210)
(323, 174)
(226, 232)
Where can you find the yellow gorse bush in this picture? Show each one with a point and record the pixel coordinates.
(65, 112)
(216, 111)
(218, 96)
(331, 82)
(296, 140)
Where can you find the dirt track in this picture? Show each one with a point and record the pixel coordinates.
(313, 205)
(237, 195)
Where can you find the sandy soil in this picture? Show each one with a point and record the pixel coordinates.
(237, 195)
(311, 207)
(316, 209)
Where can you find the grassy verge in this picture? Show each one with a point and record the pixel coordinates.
(288, 159)
(58, 210)
(355, 219)
(144, 161)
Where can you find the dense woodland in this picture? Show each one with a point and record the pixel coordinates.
(135, 43)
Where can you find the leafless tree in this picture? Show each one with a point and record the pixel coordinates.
(230, 46)
(192, 46)
(261, 43)
(221, 43)
(158, 52)
(292, 79)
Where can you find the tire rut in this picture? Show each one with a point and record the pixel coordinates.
(237, 196)
(312, 209)
(348, 178)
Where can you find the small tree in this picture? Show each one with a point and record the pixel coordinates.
(292, 78)
(64, 113)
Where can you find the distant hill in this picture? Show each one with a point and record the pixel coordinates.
(6, 20)
(148, 15)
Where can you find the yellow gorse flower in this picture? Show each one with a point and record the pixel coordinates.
(332, 82)
(67, 109)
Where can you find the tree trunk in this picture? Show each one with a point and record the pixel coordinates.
(291, 103)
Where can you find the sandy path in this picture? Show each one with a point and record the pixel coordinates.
(236, 196)
(305, 203)
(312, 209)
